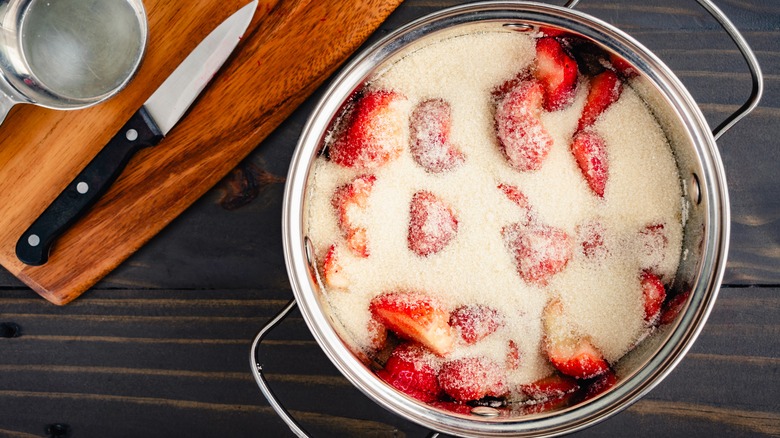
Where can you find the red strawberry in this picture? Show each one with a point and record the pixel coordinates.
(599, 385)
(605, 89)
(472, 378)
(333, 270)
(673, 307)
(432, 224)
(654, 295)
(512, 355)
(413, 370)
(523, 140)
(475, 322)
(590, 151)
(349, 200)
(549, 388)
(591, 237)
(374, 131)
(458, 408)
(499, 92)
(430, 126)
(539, 251)
(552, 31)
(416, 317)
(622, 67)
(570, 353)
(515, 195)
(557, 71)
(377, 335)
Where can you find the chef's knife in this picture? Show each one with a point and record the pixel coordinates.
(146, 127)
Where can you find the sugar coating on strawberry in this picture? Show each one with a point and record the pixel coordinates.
(514, 194)
(416, 317)
(557, 71)
(414, 371)
(333, 270)
(374, 132)
(472, 378)
(377, 335)
(539, 251)
(590, 152)
(570, 352)
(590, 235)
(475, 322)
(652, 241)
(432, 224)
(605, 89)
(654, 294)
(350, 202)
(513, 359)
(549, 388)
(523, 139)
(429, 128)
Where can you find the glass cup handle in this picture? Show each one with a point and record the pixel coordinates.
(755, 70)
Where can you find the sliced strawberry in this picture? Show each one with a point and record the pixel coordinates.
(654, 294)
(605, 89)
(512, 355)
(570, 353)
(590, 151)
(475, 322)
(349, 201)
(333, 271)
(455, 407)
(673, 307)
(430, 145)
(591, 237)
(552, 31)
(472, 378)
(539, 251)
(377, 333)
(499, 92)
(416, 317)
(414, 371)
(652, 245)
(522, 137)
(432, 224)
(622, 67)
(374, 131)
(549, 388)
(518, 197)
(557, 71)
(599, 385)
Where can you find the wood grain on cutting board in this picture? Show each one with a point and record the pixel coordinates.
(288, 50)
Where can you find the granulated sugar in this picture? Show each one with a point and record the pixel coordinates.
(601, 294)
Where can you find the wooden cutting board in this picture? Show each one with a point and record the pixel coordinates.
(288, 50)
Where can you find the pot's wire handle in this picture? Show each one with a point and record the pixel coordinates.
(257, 371)
(750, 57)
(755, 70)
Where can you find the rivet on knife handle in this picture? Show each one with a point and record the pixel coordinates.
(139, 132)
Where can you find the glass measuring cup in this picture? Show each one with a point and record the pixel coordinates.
(68, 54)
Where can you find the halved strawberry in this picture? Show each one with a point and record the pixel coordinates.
(475, 322)
(430, 145)
(432, 224)
(512, 355)
(472, 378)
(599, 385)
(557, 71)
(522, 137)
(518, 197)
(349, 201)
(549, 388)
(590, 151)
(622, 67)
(333, 271)
(414, 371)
(374, 131)
(569, 352)
(590, 234)
(416, 317)
(673, 307)
(540, 251)
(654, 294)
(605, 89)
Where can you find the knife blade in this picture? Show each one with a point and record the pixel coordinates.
(146, 127)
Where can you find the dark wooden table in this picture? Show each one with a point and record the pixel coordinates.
(160, 347)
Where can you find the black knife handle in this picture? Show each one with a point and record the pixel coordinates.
(139, 132)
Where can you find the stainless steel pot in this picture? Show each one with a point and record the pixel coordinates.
(706, 210)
